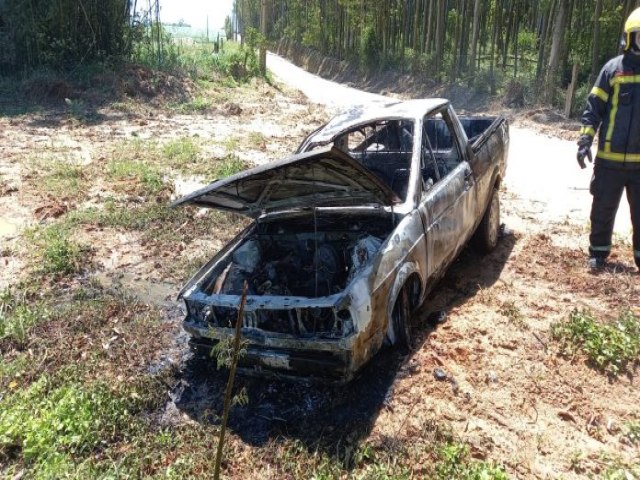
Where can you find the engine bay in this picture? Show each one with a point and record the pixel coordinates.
(300, 258)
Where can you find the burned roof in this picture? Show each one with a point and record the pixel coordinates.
(375, 111)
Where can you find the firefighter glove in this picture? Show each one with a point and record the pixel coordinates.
(584, 150)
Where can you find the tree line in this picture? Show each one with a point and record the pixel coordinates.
(61, 33)
(486, 44)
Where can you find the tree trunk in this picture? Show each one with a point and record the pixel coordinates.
(557, 45)
(429, 30)
(474, 39)
(415, 44)
(568, 104)
(497, 7)
(263, 41)
(544, 37)
(595, 42)
(440, 35)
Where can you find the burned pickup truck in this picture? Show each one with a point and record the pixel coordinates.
(349, 236)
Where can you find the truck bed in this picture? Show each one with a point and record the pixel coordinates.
(489, 141)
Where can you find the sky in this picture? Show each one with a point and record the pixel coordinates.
(194, 12)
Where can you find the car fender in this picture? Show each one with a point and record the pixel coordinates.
(403, 275)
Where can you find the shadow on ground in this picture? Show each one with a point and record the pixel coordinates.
(334, 420)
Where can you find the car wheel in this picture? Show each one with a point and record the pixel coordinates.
(401, 318)
(486, 236)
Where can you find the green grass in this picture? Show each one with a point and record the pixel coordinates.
(147, 177)
(13, 369)
(123, 216)
(234, 62)
(54, 252)
(199, 104)
(18, 315)
(633, 432)
(181, 152)
(62, 177)
(52, 424)
(454, 462)
(612, 347)
(231, 144)
(617, 469)
(229, 166)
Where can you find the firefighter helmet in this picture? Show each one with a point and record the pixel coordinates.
(631, 26)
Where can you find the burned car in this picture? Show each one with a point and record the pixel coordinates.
(348, 236)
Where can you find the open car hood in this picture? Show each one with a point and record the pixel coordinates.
(320, 178)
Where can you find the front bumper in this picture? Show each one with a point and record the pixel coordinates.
(279, 355)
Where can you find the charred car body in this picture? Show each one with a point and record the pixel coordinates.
(349, 235)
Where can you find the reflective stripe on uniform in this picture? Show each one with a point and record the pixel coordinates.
(600, 249)
(618, 157)
(600, 93)
(624, 79)
(612, 117)
(615, 82)
(588, 131)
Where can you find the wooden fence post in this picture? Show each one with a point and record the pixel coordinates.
(571, 91)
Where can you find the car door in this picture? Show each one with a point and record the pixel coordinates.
(447, 198)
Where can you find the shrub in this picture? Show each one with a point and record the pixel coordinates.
(611, 347)
(46, 421)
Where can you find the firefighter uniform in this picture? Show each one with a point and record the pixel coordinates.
(613, 110)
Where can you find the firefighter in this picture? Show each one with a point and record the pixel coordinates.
(613, 110)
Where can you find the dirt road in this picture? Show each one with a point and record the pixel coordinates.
(542, 172)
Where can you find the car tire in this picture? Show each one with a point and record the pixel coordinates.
(486, 237)
(401, 318)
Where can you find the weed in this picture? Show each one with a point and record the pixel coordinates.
(633, 433)
(380, 464)
(149, 178)
(230, 166)
(65, 176)
(18, 315)
(575, 461)
(257, 138)
(611, 347)
(54, 252)
(199, 104)
(618, 469)
(10, 369)
(136, 149)
(181, 152)
(157, 222)
(47, 421)
(121, 216)
(123, 106)
(239, 63)
(231, 144)
(454, 463)
(61, 177)
(77, 109)
(512, 312)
